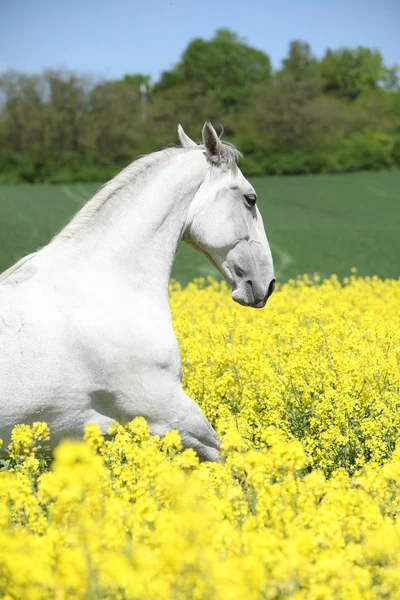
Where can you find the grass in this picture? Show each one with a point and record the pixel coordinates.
(321, 223)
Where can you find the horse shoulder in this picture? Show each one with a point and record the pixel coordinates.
(123, 330)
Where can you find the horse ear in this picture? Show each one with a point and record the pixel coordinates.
(211, 141)
(185, 139)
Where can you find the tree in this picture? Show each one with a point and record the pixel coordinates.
(279, 117)
(299, 63)
(349, 73)
(114, 121)
(340, 114)
(224, 67)
(68, 95)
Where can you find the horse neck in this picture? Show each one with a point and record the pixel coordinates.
(135, 233)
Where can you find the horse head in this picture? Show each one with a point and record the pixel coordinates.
(224, 222)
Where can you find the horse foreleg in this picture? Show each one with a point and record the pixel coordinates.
(172, 410)
(195, 430)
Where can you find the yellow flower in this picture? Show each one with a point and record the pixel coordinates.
(40, 431)
(139, 429)
(232, 441)
(172, 441)
(93, 436)
(305, 500)
(21, 440)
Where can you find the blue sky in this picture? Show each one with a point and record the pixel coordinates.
(112, 38)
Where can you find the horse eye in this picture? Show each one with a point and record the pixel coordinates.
(251, 199)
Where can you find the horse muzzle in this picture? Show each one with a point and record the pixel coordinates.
(247, 293)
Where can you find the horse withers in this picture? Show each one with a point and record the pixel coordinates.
(86, 331)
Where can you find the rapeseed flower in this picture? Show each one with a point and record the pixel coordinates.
(306, 501)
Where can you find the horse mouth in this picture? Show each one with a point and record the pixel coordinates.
(245, 296)
(238, 286)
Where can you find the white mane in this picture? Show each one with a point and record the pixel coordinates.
(135, 172)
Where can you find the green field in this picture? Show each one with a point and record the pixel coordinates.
(320, 223)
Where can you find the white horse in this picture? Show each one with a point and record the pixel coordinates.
(86, 332)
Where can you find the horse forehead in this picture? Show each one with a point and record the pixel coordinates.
(246, 185)
(232, 178)
(240, 181)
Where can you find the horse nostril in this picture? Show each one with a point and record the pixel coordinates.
(271, 288)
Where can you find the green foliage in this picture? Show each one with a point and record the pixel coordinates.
(364, 151)
(224, 67)
(349, 73)
(300, 63)
(335, 115)
(369, 151)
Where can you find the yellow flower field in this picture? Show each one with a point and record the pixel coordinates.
(305, 504)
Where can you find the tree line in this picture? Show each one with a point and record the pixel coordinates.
(336, 114)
